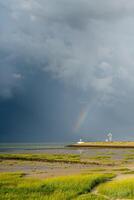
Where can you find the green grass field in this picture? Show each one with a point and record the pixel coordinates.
(95, 186)
(96, 182)
(17, 187)
(118, 189)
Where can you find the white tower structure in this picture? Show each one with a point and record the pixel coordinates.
(110, 137)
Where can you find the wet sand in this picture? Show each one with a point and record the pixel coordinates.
(43, 169)
(48, 169)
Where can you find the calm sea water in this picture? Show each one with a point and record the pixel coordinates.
(30, 147)
(60, 148)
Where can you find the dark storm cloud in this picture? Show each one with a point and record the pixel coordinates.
(86, 45)
(76, 40)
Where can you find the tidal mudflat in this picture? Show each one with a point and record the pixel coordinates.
(41, 172)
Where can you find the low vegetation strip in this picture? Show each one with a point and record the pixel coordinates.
(43, 157)
(118, 189)
(115, 144)
(16, 186)
(66, 158)
(90, 197)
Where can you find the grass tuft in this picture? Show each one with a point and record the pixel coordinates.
(15, 186)
(122, 188)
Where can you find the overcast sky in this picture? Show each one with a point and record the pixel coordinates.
(66, 70)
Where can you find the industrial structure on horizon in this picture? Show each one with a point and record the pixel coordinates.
(108, 139)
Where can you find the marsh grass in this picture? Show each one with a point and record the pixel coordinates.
(129, 172)
(98, 169)
(121, 169)
(122, 188)
(90, 197)
(63, 158)
(92, 170)
(128, 157)
(101, 157)
(106, 153)
(17, 187)
(72, 158)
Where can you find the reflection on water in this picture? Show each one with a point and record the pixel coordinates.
(80, 151)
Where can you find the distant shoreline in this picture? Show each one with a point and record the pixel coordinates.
(115, 144)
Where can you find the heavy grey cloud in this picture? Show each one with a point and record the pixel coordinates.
(86, 44)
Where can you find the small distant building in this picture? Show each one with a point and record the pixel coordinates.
(80, 142)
